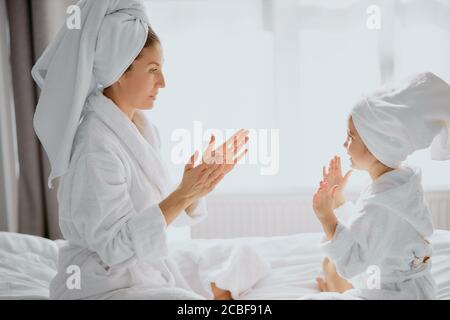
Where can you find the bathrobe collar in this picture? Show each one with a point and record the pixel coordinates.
(139, 138)
(404, 197)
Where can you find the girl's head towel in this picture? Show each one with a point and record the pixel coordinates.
(398, 120)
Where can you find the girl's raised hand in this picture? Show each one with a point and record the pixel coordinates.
(323, 200)
(334, 177)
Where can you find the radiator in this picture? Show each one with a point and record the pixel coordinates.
(265, 215)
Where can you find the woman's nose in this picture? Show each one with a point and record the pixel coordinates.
(162, 81)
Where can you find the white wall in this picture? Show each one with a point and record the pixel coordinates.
(296, 66)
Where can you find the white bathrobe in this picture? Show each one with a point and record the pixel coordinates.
(386, 231)
(110, 216)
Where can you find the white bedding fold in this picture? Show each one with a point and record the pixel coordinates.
(295, 262)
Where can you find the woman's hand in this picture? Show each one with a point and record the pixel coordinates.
(334, 178)
(229, 153)
(323, 202)
(197, 182)
(216, 164)
(200, 180)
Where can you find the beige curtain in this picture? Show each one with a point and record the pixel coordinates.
(32, 25)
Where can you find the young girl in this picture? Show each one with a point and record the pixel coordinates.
(377, 249)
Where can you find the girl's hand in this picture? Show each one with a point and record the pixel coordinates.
(334, 178)
(323, 200)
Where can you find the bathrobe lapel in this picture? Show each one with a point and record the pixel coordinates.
(140, 139)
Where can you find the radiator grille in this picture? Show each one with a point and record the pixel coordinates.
(265, 215)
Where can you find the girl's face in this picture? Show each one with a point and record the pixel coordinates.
(360, 156)
(140, 85)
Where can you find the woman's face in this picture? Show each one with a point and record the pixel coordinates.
(360, 156)
(140, 85)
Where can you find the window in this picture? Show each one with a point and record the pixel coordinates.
(293, 65)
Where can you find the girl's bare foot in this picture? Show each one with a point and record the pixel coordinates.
(220, 294)
(333, 282)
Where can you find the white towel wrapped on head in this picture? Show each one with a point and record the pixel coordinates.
(398, 120)
(112, 34)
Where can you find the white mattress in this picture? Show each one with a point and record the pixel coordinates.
(27, 264)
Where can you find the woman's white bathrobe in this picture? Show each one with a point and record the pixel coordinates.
(109, 215)
(385, 232)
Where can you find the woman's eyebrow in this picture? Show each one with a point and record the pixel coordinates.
(153, 63)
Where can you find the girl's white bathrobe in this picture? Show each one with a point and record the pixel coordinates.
(115, 230)
(385, 234)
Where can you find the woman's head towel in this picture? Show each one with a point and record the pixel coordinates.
(77, 62)
(396, 121)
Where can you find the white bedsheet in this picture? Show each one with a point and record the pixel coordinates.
(28, 263)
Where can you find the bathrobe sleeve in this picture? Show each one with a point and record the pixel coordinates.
(356, 247)
(152, 135)
(106, 217)
(196, 216)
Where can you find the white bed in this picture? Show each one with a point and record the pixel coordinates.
(28, 263)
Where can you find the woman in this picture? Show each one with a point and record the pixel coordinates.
(114, 197)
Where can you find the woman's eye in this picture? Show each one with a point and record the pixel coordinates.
(153, 70)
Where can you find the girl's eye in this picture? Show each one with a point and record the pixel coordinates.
(153, 70)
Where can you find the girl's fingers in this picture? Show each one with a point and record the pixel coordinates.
(347, 175)
(332, 192)
(315, 196)
(338, 165)
(324, 171)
